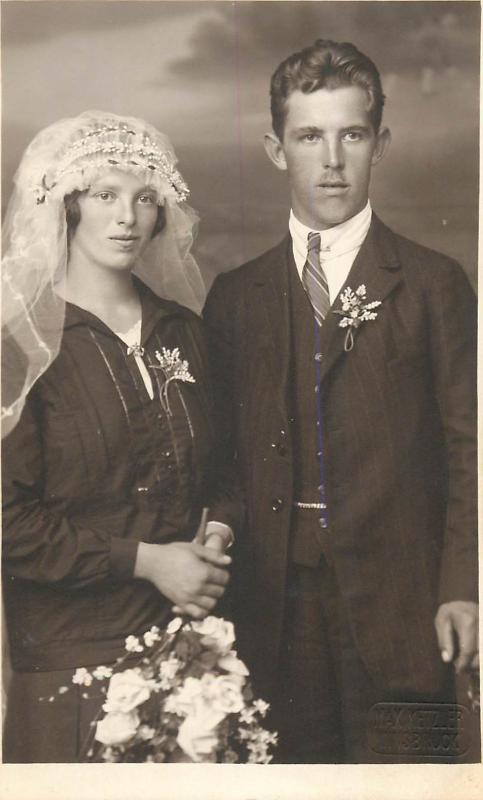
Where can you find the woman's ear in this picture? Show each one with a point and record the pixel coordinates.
(275, 151)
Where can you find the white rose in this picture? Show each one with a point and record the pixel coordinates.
(117, 728)
(184, 701)
(126, 690)
(217, 633)
(231, 663)
(197, 736)
(223, 694)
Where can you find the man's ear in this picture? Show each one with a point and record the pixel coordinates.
(383, 140)
(274, 150)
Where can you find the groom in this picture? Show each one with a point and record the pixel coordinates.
(347, 356)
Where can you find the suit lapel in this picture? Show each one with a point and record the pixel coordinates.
(272, 315)
(377, 267)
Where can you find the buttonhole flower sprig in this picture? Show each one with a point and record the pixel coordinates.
(355, 310)
(175, 369)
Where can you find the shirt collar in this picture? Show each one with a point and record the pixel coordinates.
(334, 241)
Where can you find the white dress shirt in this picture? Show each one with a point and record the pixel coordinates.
(338, 247)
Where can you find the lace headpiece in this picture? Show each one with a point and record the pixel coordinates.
(115, 144)
(69, 155)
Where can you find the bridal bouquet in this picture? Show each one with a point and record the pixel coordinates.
(187, 698)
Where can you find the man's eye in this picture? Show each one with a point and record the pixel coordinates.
(311, 137)
(352, 136)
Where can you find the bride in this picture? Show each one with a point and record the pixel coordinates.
(111, 448)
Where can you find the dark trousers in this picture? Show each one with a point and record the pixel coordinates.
(325, 692)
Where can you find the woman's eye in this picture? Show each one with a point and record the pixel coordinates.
(146, 199)
(105, 196)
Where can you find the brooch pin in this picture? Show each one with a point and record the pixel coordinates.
(175, 369)
(135, 350)
(354, 312)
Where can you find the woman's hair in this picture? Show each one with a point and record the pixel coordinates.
(73, 215)
(325, 65)
(72, 212)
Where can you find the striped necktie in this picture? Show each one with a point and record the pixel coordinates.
(314, 280)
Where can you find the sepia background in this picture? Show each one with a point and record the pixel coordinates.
(200, 72)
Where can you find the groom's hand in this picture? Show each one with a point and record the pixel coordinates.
(218, 536)
(191, 575)
(457, 629)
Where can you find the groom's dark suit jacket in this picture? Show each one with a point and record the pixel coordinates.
(400, 447)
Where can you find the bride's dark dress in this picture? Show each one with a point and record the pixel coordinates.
(93, 467)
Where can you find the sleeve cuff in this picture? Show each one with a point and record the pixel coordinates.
(123, 557)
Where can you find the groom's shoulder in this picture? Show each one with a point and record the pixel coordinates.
(421, 265)
(256, 267)
(409, 251)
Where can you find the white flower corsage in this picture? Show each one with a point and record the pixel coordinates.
(355, 311)
(175, 369)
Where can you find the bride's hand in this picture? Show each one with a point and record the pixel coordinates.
(191, 575)
(217, 538)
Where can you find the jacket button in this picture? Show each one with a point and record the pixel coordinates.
(319, 357)
(277, 504)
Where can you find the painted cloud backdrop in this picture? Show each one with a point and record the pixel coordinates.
(200, 72)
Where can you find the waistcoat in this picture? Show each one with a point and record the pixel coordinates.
(308, 538)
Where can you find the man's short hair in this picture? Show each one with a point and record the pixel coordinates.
(325, 65)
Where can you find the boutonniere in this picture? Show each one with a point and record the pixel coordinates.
(175, 369)
(354, 312)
